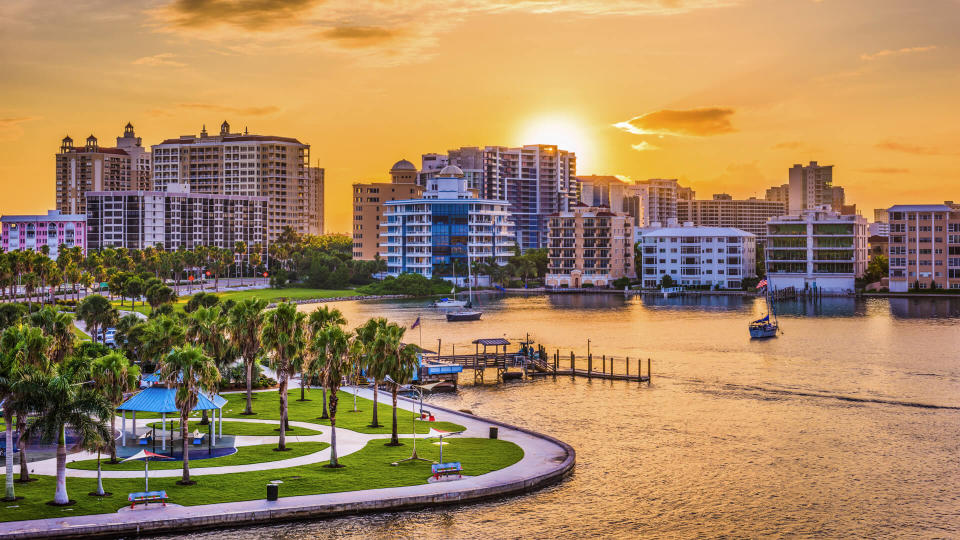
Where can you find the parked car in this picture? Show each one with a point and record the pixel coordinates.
(107, 337)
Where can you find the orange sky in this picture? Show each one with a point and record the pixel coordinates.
(723, 94)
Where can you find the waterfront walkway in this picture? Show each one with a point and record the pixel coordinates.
(545, 461)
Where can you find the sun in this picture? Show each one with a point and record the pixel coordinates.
(564, 132)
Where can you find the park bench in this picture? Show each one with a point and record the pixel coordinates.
(145, 497)
(447, 469)
(198, 437)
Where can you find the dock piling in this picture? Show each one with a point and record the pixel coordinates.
(589, 366)
(649, 373)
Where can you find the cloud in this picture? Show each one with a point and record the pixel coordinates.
(910, 148)
(253, 15)
(702, 122)
(370, 28)
(885, 170)
(11, 128)
(212, 107)
(788, 145)
(360, 36)
(162, 59)
(896, 52)
(644, 146)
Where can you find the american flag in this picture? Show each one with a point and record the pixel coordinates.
(762, 284)
(415, 324)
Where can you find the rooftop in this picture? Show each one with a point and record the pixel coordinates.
(697, 231)
(919, 208)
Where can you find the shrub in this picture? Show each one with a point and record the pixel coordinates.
(620, 283)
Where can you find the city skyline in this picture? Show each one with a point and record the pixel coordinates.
(648, 90)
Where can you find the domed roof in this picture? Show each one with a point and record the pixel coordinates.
(451, 170)
(403, 165)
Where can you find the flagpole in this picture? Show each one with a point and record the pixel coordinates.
(420, 321)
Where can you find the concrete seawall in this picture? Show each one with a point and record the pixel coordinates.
(546, 461)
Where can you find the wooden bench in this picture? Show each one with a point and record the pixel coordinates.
(447, 469)
(145, 497)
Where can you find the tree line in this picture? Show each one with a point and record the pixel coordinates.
(49, 380)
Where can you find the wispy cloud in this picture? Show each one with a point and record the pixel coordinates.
(896, 52)
(360, 36)
(885, 170)
(701, 122)
(217, 108)
(787, 145)
(914, 149)
(162, 59)
(644, 146)
(11, 127)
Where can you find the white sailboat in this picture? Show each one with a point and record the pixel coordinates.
(451, 302)
(466, 314)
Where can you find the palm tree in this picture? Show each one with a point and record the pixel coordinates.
(114, 376)
(58, 325)
(401, 361)
(27, 346)
(239, 248)
(207, 327)
(338, 365)
(245, 324)
(323, 317)
(54, 280)
(9, 368)
(30, 283)
(192, 372)
(62, 396)
(160, 336)
(373, 359)
(525, 267)
(72, 273)
(97, 313)
(283, 337)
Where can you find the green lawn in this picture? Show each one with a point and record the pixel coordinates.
(240, 428)
(367, 469)
(271, 295)
(267, 406)
(244, 455)
(81, 335)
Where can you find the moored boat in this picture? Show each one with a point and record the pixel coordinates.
(465, 315)
(449, 303)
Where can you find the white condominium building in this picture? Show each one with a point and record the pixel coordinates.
(430, 236)
(818, 249)
(718, 257)
(247, 165)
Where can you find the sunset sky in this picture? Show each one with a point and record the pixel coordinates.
(723, 94)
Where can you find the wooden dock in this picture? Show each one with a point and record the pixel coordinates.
(528, 363)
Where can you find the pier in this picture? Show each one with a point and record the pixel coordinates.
(528, 362)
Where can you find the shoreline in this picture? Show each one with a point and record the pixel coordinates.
(546, 461)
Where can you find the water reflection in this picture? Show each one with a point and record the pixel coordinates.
(925, 308)
(823, 307)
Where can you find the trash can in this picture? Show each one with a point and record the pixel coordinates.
(273, 492)
(494, 431)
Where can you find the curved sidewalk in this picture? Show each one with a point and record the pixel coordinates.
(545, 461)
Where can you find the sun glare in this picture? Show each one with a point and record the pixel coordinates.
(563, 132)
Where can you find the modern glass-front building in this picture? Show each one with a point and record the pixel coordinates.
(433, 235)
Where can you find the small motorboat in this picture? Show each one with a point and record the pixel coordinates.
(465, 315)
(449, 303)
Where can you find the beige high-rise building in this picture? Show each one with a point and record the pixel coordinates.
(749, 215)
(811, 187)
(779, 194)
(369, 206)
(250, 165)
(589, 245)
(99, 168)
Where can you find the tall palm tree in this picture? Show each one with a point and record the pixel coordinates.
(97, 313)
(323, 317)
(207, 327)
(401, 361)
(245, 324)
(114, 376)
(373, 359)
(62, 396)
(192, 372)
(30, 283)
(57, 325)
(28, 347)
(72, 274)
(9, 369)
(338, 365)
(283, 337)
(160, 336)
(239, 248)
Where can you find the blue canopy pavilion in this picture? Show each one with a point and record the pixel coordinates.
(161, 400)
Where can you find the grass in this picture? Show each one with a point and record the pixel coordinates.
(368, 468)
(267, 406)
(271, 295)
(239, 428)
(245, 455)
(81, 335)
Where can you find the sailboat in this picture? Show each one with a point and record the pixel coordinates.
(764, 327)
(451, 302)
(466, 314)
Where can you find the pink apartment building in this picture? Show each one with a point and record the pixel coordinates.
(924, 246)
(33, 232)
